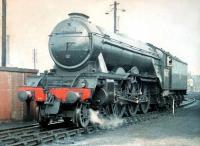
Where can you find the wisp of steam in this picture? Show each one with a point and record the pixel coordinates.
(105, 123)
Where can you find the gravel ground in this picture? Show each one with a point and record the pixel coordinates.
(182, 129)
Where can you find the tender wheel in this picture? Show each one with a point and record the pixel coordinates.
(118, 110)
(132, 108)
(43, 121)
(179, 100)
(83, 115)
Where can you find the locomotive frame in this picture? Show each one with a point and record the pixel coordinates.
(105, 72)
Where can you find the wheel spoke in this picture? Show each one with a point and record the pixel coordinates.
(132, 108)
(83, 115)
(118, 110)
(144, 106)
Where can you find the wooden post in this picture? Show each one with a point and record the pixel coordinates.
(173, 106)
(3, 61)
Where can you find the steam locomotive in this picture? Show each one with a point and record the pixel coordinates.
(103, 71)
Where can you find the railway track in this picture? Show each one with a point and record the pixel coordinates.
(32, 135)
(19, 127)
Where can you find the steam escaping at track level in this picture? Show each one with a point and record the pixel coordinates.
(103, 122)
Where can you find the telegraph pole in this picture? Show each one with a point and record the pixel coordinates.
(115, 9)
(3, 61)
(115, 16)
(7, 49)
(34, 58)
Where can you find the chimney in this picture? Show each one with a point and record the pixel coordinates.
(78, 15)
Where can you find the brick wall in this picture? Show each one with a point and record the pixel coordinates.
(10, 107)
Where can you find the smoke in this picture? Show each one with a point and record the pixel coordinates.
(105, 123)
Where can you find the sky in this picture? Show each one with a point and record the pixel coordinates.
(169, 24)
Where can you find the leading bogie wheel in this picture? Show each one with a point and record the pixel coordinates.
(82, 115)
(43, 121)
